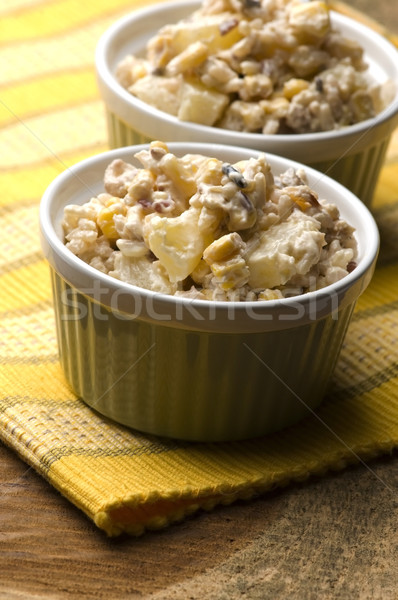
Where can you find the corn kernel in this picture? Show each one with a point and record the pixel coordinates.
(293, 87)
(158, 144)
(277, 107)
(210, 172)
(113, 206)
(115, 203)
(233, 273)
(223, 248)
(270, 295)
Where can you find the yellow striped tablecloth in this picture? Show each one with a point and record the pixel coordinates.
(51, 117)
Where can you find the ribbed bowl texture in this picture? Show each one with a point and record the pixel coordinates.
(191, 369)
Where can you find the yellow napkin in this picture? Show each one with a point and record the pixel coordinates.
(51, 116)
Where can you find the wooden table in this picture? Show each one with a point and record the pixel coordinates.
(334, 537)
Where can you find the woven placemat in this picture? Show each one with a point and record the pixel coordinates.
(51, 117)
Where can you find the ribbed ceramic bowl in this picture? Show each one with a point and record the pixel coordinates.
(196, 369)
(352, 156)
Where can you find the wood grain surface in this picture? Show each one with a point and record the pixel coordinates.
(335, 537)
(329, 538)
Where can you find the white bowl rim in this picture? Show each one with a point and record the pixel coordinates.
(106, 75)
(74, 270)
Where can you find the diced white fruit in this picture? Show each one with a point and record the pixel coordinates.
(284, 250)
(177, 242)
(219, 32)
(310, 18)
(161, 92)
(201, 105)
(143, 273)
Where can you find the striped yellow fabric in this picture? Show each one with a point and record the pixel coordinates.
(51, 116)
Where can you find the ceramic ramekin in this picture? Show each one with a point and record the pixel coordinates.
(353, 156)
(195, 369)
